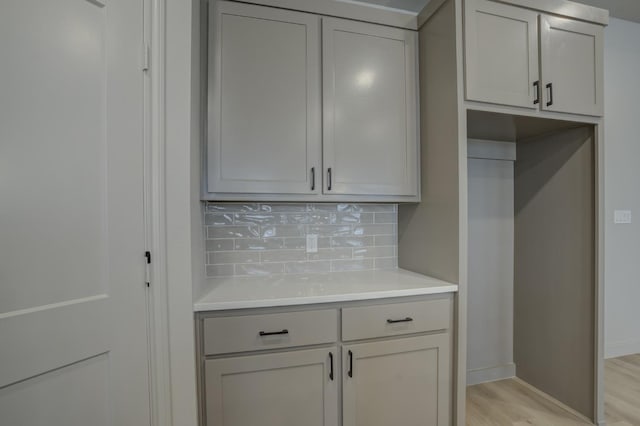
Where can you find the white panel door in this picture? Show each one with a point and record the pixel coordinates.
(296, 388)
(397, 382)
(73, 348)
(264, 100)
(501, 54)
(572, 66)
(370, 137)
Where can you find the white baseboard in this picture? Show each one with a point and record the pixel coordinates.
(626, 347)
(491, 374)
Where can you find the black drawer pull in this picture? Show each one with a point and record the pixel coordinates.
(274, 333)
(331, 366)
(350, 372)
(536, 86)
(313, 178)
(407, 319)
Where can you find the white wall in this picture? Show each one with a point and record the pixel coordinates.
(491, 251)
(622, 187)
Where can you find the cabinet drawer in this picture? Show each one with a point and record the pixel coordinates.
(269, 331)
(395, 319)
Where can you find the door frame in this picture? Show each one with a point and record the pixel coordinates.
(153, 53)
(169, 137)
(158, 339)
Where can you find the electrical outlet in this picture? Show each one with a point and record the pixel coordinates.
(312, 243)
(622, 216)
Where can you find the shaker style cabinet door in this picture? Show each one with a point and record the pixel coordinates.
(397, 382)
(370, 138)
(572, 66)
(264, 101)
(281, 389)
(501, 54)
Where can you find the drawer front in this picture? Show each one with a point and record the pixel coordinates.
(269, 331)
(367, 322)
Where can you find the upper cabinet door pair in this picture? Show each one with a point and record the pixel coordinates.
(519, 57)
(302, 104)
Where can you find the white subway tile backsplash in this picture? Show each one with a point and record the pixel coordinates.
(288, 208)
(380, 208)
(353, 218)
(219, 219)
(386, 251)
(220, 245)
(282, 231)
(295, 243)
(232, 232)
(308, 267)
(379, 229)
(330, 230)
(259, 268)
(352, 241)
(351, 265)
(258, 219)
(283, 255)
(332, 253)
(260, 244)
(232, 257)
(386, 240)
(386, 217)
(386, 263)
(220, 270)
(270, 238)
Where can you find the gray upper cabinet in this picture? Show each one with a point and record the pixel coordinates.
(275, 75)
(370, 109)
(519, 57)
(264, 103)
(572, 66)
(501, 45)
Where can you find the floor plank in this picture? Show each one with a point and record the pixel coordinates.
(622, 391)
(509, 403)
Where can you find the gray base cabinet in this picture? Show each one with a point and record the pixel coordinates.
(287, 388)
(397, 382)
(276, 367)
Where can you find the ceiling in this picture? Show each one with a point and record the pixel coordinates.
(623, 9)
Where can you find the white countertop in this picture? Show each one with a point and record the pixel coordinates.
(303, 289)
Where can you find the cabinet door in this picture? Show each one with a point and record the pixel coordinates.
(398, 382)
(281, 389)
(370, 109)
(572, 66)
(501, 54)
(264, 100)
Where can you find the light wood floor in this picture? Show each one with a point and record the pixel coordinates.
(510, 403)
(622, 391)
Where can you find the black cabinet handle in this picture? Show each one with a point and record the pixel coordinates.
(550, 87)
(329, 179)
(313, 178)
(536, 86)
(331, 366)
(350, 372)
(273, 333)
(392, 321)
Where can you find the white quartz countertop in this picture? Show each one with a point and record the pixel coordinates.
(304, 289)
